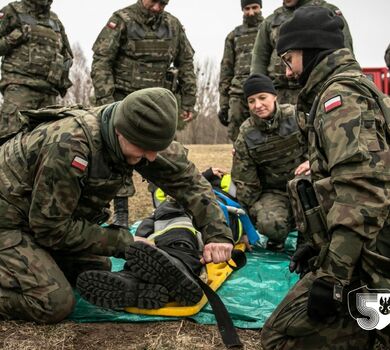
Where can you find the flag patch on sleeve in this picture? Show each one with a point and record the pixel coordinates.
(79, 163)
(1, 15)
(333, 103)
(111, 25)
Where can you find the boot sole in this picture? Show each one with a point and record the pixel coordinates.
(155, 266)
(105, 289)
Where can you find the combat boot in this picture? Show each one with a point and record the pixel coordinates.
(116, 290)
(121, 212)
(154, 265)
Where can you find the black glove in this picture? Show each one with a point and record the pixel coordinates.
(223, 116)
(325, 299)
(299, 262)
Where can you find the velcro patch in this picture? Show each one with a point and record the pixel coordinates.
(333, 103)
(111, 25)
(1, 15)
(79, 163)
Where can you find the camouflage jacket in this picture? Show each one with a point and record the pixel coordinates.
(236, 62)
(132, 53)
(59, 180)
(267, 153)
(387, 57)
(350, 166)
(43, 60)
(265, 59)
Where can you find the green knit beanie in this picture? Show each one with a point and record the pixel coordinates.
(148, 118)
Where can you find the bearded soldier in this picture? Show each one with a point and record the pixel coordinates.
(143, 46)
(56, 185)
(36, 60)
(235, 68)
(265, 59)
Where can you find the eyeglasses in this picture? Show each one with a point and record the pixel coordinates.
(285, 60)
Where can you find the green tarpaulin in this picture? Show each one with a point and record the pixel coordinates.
(250, 294)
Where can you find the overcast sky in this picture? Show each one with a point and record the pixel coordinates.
(207, 22)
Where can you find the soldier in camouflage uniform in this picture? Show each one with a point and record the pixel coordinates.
(36, 60)
(235, 68)
(142, 46)
(265, 59)
(348, 132)
(56, 183)
(268, 149)
(387, 57)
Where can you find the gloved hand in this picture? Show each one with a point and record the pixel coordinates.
(299, 262)
(19, 35)
(223, 116)
(325, 299)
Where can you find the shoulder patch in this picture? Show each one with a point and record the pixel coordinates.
(79, 163)
(1, 15)
(338, 12)
(333, 103)
(111, 25)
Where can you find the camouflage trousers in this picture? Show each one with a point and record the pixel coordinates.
(36, 283)
(20, 97)
(238, 113)
(289, 327)
(288, 96)
(273, 216)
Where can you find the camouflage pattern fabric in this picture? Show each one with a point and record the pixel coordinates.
(235, 68)
(387, 56)
(265, 59)
(267, 153)
(273, 216)
(20, 97)
(35, 49)
(134, 51)
(36, 58)
(56, 183)
(350, 169)
(289, 327)
(238, 113)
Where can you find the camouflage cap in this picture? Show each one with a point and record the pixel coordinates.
(148, 118)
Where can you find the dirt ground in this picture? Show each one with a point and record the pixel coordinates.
(176, 335)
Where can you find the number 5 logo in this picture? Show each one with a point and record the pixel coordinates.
(371, 309)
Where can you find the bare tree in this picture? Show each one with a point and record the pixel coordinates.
(81, 90)
(205, 128)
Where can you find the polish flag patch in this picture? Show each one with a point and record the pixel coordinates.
(333, 103)
(111, 25)
(338, 12)
(1, 15)
(79, 163)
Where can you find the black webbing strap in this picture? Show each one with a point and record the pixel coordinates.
(225, 324)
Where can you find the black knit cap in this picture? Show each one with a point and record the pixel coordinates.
(257, 83)
(311, 27)
(248, 2)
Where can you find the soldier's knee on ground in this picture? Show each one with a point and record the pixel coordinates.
(60, 304)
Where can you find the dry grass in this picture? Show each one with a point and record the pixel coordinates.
(178, 335)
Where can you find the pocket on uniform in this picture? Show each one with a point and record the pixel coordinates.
(9, 239)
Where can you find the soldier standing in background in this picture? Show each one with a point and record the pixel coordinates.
(143, 46)
(265, 59)
(387, 57)
(36, 60)
(268, 149)
(56, 183)
(235, 68)
(348, 222)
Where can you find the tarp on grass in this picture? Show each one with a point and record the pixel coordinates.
(250, 294)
